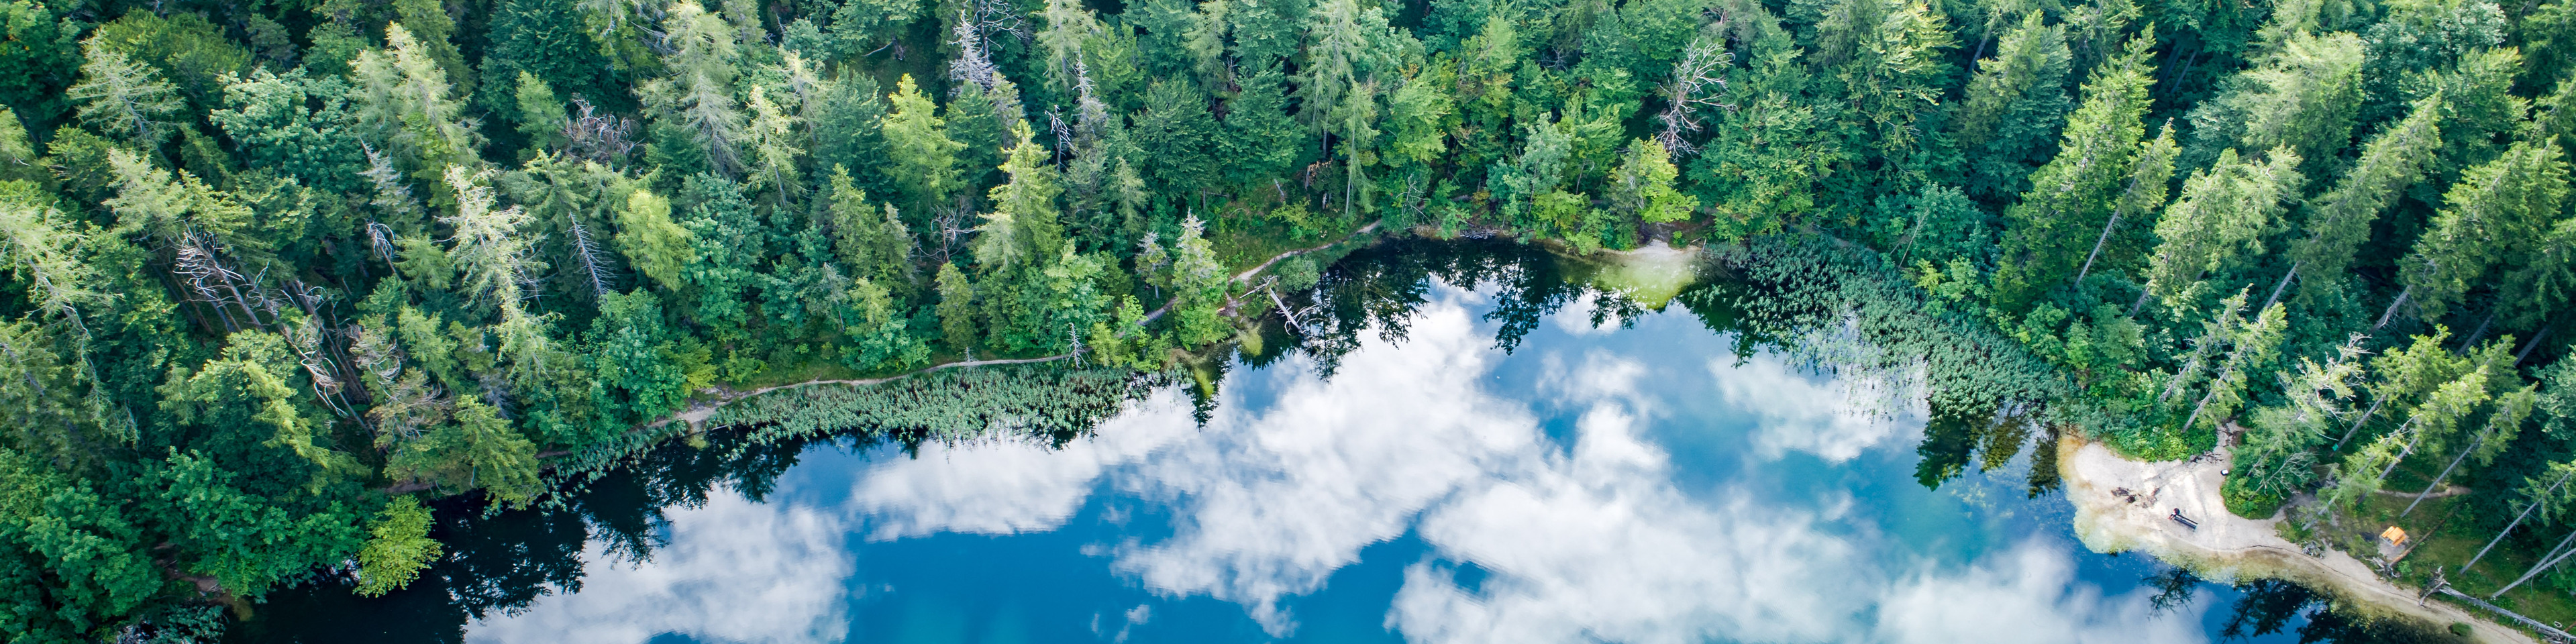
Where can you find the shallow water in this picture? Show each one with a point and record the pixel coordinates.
(1617, 475)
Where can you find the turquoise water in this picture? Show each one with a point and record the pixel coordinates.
(1619, 475)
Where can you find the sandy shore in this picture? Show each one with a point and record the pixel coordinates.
(2225, 548)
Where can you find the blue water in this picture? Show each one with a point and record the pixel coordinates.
(1598, 483)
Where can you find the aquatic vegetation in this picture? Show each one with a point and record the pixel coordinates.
(1043, 402)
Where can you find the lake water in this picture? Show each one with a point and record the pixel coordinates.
(1619, 474)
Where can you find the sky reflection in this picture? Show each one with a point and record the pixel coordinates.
(1641, 485)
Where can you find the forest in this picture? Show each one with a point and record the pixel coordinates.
(275, 275)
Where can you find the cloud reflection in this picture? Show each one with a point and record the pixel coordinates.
(1600, 546)
(1269, 504)
(733, 571)
(1584, 539)
(2026, 594)
(1802, 413)
(1005, 487)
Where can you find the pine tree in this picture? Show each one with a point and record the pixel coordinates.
(404, 99)
(956, 308)
(1173, 135)
(1887, 56)
(697, 99)
(2219, 222)
(2304, 95)
(428, 21)
(1261, 141)
(1763, 162)
(774, 138)
(658, 247)
(1068, 24)
(2013, 104)
(2498, 214)
(924, 159)
(488, 246)
(1642, 187)
(123, 98)
(2340, 220)
(1022, 227)
(1198, 287)
(872, 240)
(2075, 193)
(844, 118)
(40, 244)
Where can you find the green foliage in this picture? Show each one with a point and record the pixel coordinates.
(45, 60)
(2498, 215)
(2340, 220)
(1198, 287)
(1642, 187)
(956, 308)
(948, 405)
(73, 560)
(2219, 223)
(268, 117)
(924, 159)
(860, 27)
(2246, 502)
(240, 540)
(403, 98)
(727, 241)
(2303, 97)
(255, 264)
(398, 547)
(1260, 140)
(184, 48)
(1761, 166)
(2012, 107)
(636, 365)
(660, 248)
(2075, 192)
(125, 99)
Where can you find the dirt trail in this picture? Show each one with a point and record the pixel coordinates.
(2226, 547)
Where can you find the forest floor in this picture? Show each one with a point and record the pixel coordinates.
(2123, 505)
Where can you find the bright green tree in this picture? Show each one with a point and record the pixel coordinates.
(2075, 193)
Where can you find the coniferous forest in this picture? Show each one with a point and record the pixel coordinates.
(275, 274)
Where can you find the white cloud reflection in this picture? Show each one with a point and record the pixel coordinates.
(2026, 594)
(1590, 540)
(733, 571)
(1600, 546)
(1005, 487)
(1803, 413)
(1269, 504)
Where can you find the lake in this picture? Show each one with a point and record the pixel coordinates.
(1463, 442)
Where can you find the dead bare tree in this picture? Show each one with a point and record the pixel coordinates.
(198, 265)
(392, 195)
(1689, 92)
(308, 338)
(973, 36)
(597, 137)
(380, 238)
(594, 263)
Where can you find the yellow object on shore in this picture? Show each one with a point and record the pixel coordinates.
(2395, 535)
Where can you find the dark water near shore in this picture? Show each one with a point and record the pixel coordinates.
(1465, 447)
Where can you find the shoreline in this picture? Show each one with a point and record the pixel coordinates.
(2226, 548)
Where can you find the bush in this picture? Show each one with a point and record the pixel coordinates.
(2248, 503)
